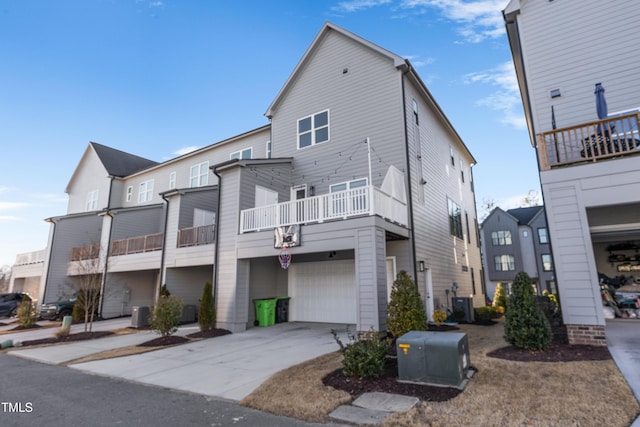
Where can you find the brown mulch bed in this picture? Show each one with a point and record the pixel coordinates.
(174, 339)
(81, 336)
(559, 351)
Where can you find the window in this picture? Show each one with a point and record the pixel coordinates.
(199, 175)
(203, 217)
(313, 129)
(501, 238)
(172, 180)
(92, 200)
(145, 191)
(242, 154)
(453, 160)
(547, 263)
(455, 219)
(416, 119)
(505, 263)
(543, 237)
(358, 200)
(268, 149)
(466, 219)
(129, 193)
(473, 282)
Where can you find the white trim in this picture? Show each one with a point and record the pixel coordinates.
(240, 154)
(313, 129)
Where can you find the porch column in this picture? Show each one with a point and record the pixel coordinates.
(371, 281)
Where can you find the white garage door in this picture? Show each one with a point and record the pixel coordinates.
(323, 292)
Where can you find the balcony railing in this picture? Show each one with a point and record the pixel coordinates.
(82, 253)
(339, 205)
(30, 257)
(195, 236)
(615, 136)
(136, 245)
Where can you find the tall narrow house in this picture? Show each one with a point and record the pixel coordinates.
(357, 175)
(566, 54)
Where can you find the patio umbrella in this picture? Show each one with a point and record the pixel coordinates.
(601, 107)
(555, 138)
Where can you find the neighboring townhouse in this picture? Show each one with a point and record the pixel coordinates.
(26, 273)
(517, 240)
(358, 160)
(565, 53)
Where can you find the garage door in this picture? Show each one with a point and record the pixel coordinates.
(323, 292)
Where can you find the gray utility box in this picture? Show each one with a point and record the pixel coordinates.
(435, 358)
(465, 305)
(140, 316)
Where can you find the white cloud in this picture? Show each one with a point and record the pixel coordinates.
(10, 218)
(506, 99)
(7, 206)
(479, 19)
(186, 150)
(356, 5)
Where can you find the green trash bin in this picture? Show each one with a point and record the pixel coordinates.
(265, 311)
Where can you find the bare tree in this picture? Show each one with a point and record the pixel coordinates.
(531, 199)
(87, 283)
(487, 205)
(5, 278)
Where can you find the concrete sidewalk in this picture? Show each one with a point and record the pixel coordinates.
(623, 340)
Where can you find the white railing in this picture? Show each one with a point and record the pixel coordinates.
(339, 205)
(30, 257)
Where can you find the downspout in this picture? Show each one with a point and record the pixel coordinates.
(107, 212)
(217, 237)
(53, 222)
(164, 245)
(410, 200)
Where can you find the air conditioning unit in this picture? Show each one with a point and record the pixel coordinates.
(434, 358)
(465, 305)
(140, 316)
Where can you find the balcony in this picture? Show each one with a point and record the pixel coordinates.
(136, 245)
(82, 253)
(617, 136)
(196, 236)
(333, 206)
(30, 258)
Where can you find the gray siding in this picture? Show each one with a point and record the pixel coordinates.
(137, 222)
(206, 199)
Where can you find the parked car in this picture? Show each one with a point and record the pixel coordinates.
(57, 310)
(9, 303)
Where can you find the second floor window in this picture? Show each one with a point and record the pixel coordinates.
(129, 193)
(145, 191)
(242, 154)
(455, 219)
(199, 175)
(313, 129)
(543, 237)
(505, 263)
(92, 200)
(501, 238)
(547, 263)
(172, 180)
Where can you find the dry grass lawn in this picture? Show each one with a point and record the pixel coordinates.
(502, 393)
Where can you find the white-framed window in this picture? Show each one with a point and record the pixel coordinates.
(202, 217)
(451, 154)
(547, 262)
(145, 191)
(505, 263)
(313, 129)
(92, 200)
(242, 154)
(358, 200)
(172, 180)
(455, 218)
(501, 238)
(416, 119)
(199, 175)
(543, 236)
(268, 149)
(129, 193)
(265, 196)
(349, 185)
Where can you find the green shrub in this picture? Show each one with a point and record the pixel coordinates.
(364, 357)
(207, 310)
(165, 316)
(405, 311)
(484, 314)
(27, 314)
(526, 326)
(499, 299)
(164, 292)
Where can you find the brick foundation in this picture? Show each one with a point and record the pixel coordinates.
(586, 335)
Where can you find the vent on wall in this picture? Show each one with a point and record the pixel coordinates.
(554, 93)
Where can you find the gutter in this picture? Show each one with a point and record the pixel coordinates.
(107, 212)
(216, 259)
(53, 222)
(164, 244)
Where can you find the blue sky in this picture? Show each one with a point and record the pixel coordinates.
(156, 78)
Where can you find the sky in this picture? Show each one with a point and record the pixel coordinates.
(157, 78)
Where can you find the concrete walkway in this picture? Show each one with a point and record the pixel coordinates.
(623, 340)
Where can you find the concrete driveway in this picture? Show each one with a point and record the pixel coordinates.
(228, 367)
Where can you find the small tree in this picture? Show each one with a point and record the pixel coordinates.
(405, 311)
(499, 299)
(27, 314)
(165, 316)
(526, 326)
(207, 311)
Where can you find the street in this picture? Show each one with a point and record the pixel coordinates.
(33, 393)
